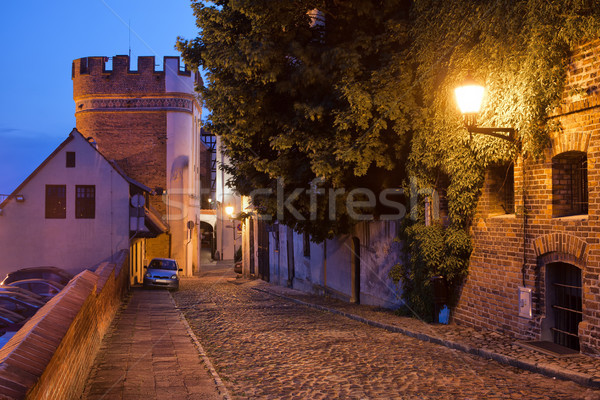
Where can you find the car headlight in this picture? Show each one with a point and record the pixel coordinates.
(174, 277)
(148, 275)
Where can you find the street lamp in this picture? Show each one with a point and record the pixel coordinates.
(469, 97)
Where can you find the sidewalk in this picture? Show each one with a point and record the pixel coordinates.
(148, 354)
(582, 369)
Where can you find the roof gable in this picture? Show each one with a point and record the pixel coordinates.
(74, 135)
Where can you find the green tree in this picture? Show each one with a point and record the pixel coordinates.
(363, 97)
(297, 96)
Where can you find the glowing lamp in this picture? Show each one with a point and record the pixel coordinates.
(469, 97)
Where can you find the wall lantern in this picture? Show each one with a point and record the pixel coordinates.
(229, 211)
(469, 97)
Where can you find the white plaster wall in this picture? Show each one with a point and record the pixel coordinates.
(226, 197)
(183, 187)
(333, 270)
(27, 238)
(175, 82)
(179, 143)
(377, 260)
(338, 265)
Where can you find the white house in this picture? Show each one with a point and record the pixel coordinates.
(352, 267)
(73, 212)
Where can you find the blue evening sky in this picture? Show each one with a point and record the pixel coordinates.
(38, 42)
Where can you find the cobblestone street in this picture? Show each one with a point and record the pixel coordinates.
(266, 347)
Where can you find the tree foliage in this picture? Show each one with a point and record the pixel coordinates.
(366, 99)
(519, 50)
(297, 99)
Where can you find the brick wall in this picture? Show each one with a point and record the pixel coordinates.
(513, 250)
(91, 77)
(137, 141)
(51, 356)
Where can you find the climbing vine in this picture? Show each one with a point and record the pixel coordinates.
(519, 50)
(359, 94)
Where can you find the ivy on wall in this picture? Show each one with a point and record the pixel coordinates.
(519, 50)
(360, 95)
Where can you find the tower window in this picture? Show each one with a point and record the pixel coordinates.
(56, 201)
(85, 201)
(70, 159)
(569, 184)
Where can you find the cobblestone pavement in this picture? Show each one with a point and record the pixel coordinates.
(148, 354)
(579, 368)
(265, 347)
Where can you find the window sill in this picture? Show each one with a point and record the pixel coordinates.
(503, 216)
(579, 217)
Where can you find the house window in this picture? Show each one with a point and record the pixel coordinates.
(306, 244)
(56, 201)
(569, 184)
(85, 201)
(70, 159)
(501, 189)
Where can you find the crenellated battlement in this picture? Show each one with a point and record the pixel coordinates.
(103, 75)
(121, 65)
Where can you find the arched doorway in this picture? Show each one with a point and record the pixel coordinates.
(563, 304)
(355, 270)
(207, 241)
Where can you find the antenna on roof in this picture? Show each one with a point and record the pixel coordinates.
(129, 26)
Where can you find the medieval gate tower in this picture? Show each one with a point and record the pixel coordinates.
(148, 121)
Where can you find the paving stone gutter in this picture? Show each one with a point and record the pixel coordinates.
(582, 369)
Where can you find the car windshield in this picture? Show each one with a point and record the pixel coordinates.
(163, 264)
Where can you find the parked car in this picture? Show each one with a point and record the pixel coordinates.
(52, 273)
(21, 304)
(162, 272)
(15, 289)
(10, 319)
(10, 323)
(41, 287)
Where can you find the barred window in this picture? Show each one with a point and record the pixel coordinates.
(56, 201)
(85, 201)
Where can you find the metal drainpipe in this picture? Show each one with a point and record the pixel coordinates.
(524, 267)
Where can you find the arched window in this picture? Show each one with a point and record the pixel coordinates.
(569, 184)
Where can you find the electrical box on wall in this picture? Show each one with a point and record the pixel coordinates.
(525, 302)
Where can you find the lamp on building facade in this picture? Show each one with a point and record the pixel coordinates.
(469, 97)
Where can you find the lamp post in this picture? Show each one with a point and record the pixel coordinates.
(469, 97)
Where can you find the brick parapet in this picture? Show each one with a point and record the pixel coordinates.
(51, 355)
(507, 256)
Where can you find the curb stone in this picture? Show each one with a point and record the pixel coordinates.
(219, 383)
(549, 370)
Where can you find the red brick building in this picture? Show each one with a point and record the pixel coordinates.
(149, 122)
(552, 250)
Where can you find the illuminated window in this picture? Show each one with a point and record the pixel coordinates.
(56, 201)
(85, 201)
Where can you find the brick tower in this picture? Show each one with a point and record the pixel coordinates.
(148, 121)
